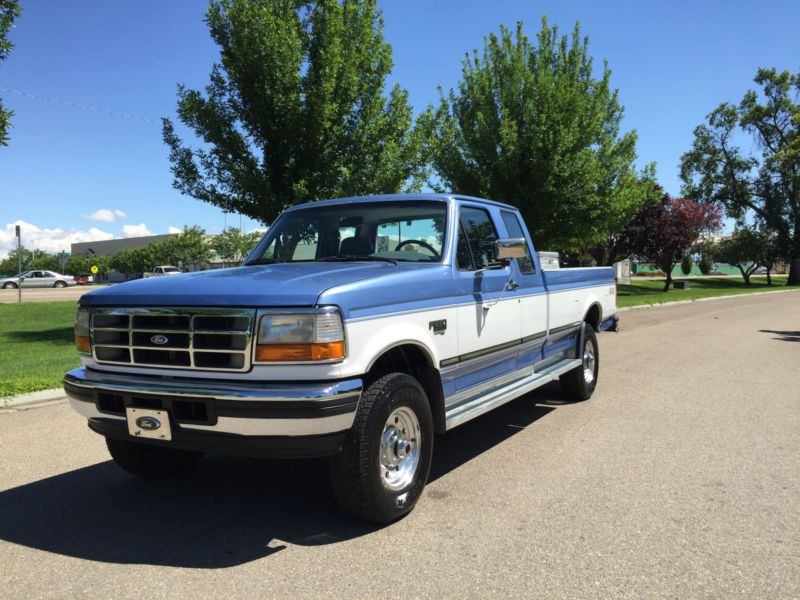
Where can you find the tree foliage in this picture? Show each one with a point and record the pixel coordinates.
(296, 110)
(764, 182)
(531, 125)
(664, 232)
(745, 249)
(232, 246)
(9, 11)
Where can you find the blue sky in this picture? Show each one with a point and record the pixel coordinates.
(673, 62)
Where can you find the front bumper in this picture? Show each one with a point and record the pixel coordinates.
(229, 417)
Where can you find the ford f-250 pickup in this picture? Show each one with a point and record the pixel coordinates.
(356, 329)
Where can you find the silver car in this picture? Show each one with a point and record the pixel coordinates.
(32, 279)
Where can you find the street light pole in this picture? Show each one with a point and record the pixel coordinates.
(19, 266)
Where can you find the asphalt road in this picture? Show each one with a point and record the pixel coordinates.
(44, 294)
(679, 478)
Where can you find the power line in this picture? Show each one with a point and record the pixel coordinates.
(111, 113)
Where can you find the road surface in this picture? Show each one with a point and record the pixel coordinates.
(679, 478)
(45, 294)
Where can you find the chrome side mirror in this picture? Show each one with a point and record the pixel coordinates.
(508, 248)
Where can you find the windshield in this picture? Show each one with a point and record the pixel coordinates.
(402, 231)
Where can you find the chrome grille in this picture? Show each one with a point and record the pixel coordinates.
(216, 339)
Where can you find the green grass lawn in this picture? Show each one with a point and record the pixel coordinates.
(36, 346)
(649, 291)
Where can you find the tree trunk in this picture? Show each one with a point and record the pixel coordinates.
(668, 281)
(794, 272)
(769, 276)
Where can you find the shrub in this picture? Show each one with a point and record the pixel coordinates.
(686, 264)
(705, 265)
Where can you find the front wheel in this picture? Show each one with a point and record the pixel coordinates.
(381, 471)
(9, 285)
(150, 461)
(579, 383)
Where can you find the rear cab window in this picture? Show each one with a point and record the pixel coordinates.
(514, 228)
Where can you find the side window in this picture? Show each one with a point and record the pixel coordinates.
(298, 241)
(477, 229)
(514, 229)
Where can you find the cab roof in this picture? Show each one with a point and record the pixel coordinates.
(395, 197)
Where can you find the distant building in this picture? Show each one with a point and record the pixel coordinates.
(111, 247)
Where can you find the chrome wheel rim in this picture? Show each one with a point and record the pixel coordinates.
(588, 362)
(400, 449)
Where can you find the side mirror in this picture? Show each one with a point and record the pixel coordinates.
(508, 248)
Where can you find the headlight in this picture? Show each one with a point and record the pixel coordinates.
(82, 330)
(300, 337)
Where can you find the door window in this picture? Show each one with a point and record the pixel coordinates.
(514, 229)
(477, 236)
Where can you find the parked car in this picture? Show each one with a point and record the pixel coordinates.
(356, 329)
(31, 279)
(164, 270)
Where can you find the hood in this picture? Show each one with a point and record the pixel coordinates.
(284, 284)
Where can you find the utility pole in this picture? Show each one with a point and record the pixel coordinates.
(19, 265)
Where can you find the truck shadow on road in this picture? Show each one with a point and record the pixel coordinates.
(227, 512)
(784, 336)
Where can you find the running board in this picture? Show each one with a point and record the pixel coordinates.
(462, 413)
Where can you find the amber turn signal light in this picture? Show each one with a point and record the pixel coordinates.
(299, 352)
(82, 343)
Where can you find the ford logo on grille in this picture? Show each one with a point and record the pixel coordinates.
(159, 339)
(148, 423)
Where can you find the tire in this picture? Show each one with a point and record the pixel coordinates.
(579, 384)
(9, 285)
(59, 284)
(149, 461)
(377, 476)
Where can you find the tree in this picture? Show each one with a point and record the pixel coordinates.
(707, 249)
(296, 109)
(745, 249)
(764, 183)
(664, 232)
(232, 246)
(686, 264)
(9, 11)
(532, 126)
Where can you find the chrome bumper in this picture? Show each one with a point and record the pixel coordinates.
(232, 408)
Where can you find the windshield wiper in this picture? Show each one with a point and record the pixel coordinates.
(355, 258)
(264, 261)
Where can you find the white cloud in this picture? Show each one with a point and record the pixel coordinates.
(129, 231)
(173, 229)
(49, 240)
(105, 215)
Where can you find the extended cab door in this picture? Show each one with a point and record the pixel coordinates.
(531, 293)
(489, 326)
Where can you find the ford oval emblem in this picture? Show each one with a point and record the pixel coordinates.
(148, 423)
(159, 339)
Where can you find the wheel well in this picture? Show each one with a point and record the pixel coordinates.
(414, 361)
(593, 316)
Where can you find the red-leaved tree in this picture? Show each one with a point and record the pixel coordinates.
(662, 233)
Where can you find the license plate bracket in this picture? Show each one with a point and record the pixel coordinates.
(148, 423)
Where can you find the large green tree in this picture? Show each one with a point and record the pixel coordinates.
(9, 11)
(763, 179)
(530, 124)
(296, 109)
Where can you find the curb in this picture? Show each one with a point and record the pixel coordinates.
(32, 398)
(711, 299)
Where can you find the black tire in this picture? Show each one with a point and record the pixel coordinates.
(150, 461)
(574, 383)
(9, 285)
(59, 284)
(357, 472)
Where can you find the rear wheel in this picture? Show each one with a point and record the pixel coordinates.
(59, 284)
(381, 471)
(9, 285)
(579, 383)
(149, 461)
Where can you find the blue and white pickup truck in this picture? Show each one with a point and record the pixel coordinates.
(356, 329)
